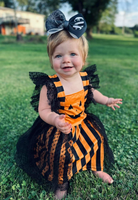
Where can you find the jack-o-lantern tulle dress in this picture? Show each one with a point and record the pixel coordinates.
(46, 153)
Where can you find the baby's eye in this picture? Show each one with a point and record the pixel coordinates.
(57, 56)
(73, 54)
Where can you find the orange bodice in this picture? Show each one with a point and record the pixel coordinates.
(72, 105)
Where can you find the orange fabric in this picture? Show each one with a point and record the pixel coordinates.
(76, 110)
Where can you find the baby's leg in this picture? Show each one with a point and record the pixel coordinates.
(61, 191)
(104, 176)
(60, 194)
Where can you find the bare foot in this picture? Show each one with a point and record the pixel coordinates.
(60, 194)
(104, 176)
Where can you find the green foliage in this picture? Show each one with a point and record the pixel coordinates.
(128, 30)
(28, 5)
(105, 28)
(1, 3)
(117, 30)
(107, 20)
(116, 59)
(47, 6)
(135, 31)
(7, 3)
(43, 7)
(91, 9)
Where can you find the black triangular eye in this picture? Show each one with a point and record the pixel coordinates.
(80, 103)
(70, 107)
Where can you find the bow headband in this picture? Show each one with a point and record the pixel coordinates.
(56, 22)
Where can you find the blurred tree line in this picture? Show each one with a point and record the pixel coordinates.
(99, 14)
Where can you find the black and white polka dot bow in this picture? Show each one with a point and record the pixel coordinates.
(56, 22)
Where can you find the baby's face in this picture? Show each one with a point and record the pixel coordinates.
(67, 58)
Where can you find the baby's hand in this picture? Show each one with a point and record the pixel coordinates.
(63, 126)
(113, 102)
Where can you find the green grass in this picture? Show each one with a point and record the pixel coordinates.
(117, 63)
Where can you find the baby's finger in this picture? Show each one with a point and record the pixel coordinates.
(62, 124)
(117, 106)
(67, 129)
(65, 125)
(119, 101)
(113, 107)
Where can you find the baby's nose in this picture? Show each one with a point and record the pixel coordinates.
(66, 59)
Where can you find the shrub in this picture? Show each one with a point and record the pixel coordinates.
(135, 30)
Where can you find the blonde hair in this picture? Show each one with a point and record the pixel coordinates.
(62, 36)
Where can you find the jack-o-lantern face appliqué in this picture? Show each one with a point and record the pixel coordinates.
(77, 115)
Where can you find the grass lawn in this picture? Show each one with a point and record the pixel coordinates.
(117, 65)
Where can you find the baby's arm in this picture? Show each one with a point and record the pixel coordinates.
(110, 102)
(50, 117)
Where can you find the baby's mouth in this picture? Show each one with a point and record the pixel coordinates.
(67, 67)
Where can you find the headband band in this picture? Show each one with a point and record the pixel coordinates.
(56, 22)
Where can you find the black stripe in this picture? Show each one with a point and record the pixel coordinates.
(85, 96)
(84, 78)
(40, 144)
(67, 145)
(61, 107)
(56, 79)
(91, 153)
(88, 140)
(61, 99)
(86, 87)
(51, 137)
(96, 135)
(75, 153)
(74, 138)
(74, 168)
(83, 162)
(48, 171)
(57, 155)
(67, 160)
(49, 147)
(60, 89)
(83, 150)
(98, 158)
(89, 165)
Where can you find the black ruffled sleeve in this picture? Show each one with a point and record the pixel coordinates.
(40, 79)
(94, 83)
(93, 78)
